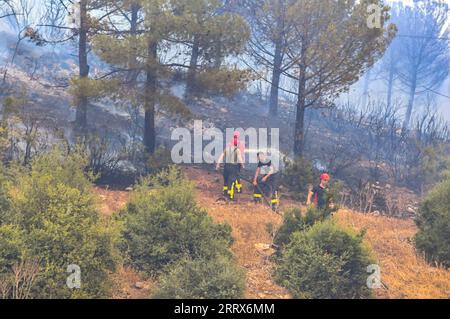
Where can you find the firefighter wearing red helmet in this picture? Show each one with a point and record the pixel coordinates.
(318, 196)
(233, 158)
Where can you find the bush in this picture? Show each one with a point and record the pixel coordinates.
(334, 194)
(54, 211)
(294, 221)
(324, 261)
(12, 247)
(217, 278)
(433, 237)
(163, 224)
(297, 175)
(3, 142)
(4, 197)
(160, 160)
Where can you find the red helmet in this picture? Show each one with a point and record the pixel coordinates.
(236, 136)
(324, 177)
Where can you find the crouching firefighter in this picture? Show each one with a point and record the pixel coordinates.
(266, 181)
(233, 160)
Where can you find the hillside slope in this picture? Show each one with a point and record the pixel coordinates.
(404, 273)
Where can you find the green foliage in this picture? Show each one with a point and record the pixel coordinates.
(3, 141)
(163, 224)
(297, 175)
(292, 221)
(161, 159)
(295, 221)
(217, 35)
(325, 261)
(4, 197)
(223, 81)
(217, 278)
(12, 247)
(432, 162)
(12, 104)
(433, 238)
(54, 214)
(334, 193)
(90, 88)
(174, 106)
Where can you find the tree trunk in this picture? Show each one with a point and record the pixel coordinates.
(81, 111)
(366, 88)
(218, 59)
(299, 138)
(192, 73)
(275, 83)
(412, 95)
(390, 87)
(134, 18)
(150, 99)
(299, 135)
(133, 74)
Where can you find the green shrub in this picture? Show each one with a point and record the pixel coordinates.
(294, 221)
(55, 213)
(5, 204)
(3, 141)
(12, 247)
(216, 278)
(297, 175)
(325, 261)
(163, 224)
(334, 193)
(161, 159)
(433, 237)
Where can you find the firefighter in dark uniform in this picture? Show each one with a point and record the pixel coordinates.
(318, 196)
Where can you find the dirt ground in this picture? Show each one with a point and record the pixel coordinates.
(404, 274)
(111, 201)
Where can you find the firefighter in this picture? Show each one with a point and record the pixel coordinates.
(241, 146)
(266, 181)
(318, 196)
(233, 159)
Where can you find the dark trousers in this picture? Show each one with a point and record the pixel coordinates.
(238, 181)
(230, 180)
(268, 189)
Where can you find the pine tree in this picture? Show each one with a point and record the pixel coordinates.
(143, 49)
(210, 35)
(76, 21)
(333, 46)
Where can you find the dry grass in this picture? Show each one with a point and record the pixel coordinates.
(403, 272)
(111, 200)
(125, 280)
